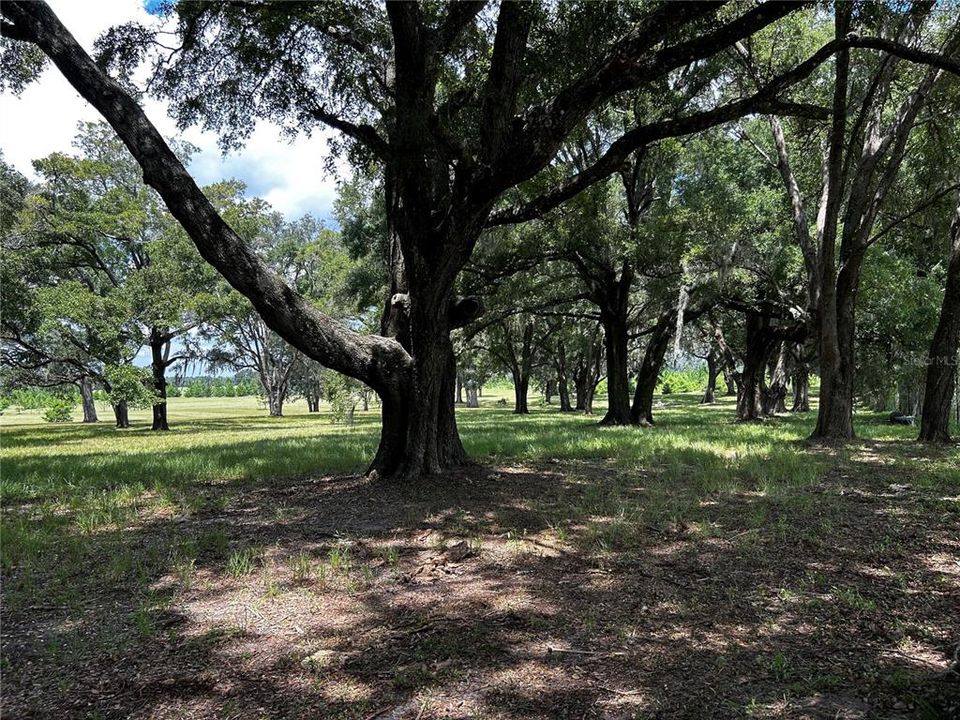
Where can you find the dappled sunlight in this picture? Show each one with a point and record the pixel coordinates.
(706, 559)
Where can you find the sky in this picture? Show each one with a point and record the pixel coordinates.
(44, 119)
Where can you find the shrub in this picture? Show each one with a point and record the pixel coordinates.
(59, 410)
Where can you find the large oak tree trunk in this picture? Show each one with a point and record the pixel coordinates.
(87, 401)
(942, 362)
(275, 400)
(835, 414)
(760, 342)
(618, 384)
(122, 414)
(159, 366)
(419, 428)
(521, 385)
(472, 400)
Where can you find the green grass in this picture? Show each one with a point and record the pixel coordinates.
(130, 524)
(66, 486)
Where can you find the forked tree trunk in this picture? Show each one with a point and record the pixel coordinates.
(713, 370)
(87, 400)
(419, 426)
(942, 361)
(760, 341)
(159, 366)
(618, 383)
(122, 414)
(641, 413)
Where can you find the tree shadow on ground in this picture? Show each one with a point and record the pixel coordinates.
(563, 589)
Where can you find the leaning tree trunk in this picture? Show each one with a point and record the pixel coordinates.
(641, 413)
(713, 370)
(122, 414)
(159, 367)
(942, 362)
(618, 384)
(730, 381)
(87, 400)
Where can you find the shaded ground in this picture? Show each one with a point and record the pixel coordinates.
(685, 583)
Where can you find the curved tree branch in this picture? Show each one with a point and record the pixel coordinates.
(378, 361)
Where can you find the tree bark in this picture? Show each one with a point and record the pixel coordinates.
(159, 342)
(122, 414)
(472, 400)
(618, 385)
(801, 387)
(459, 400)
(641, 413)
(313, 404)
(760, 341)
(776, 392)
(521, 385)
(942, 359)
(713, 370)
(86, 398)
(563, 387)
(275, 400)
(586, 375)
(548, 390)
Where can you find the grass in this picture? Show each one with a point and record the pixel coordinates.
(233, 509)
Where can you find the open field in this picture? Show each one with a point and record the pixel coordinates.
(239, 567)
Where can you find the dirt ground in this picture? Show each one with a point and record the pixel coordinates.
(557, 590)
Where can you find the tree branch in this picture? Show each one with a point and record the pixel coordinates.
(380, 362)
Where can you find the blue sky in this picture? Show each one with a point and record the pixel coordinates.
(290, 176)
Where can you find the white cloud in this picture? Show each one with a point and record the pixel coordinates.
(290, 176)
